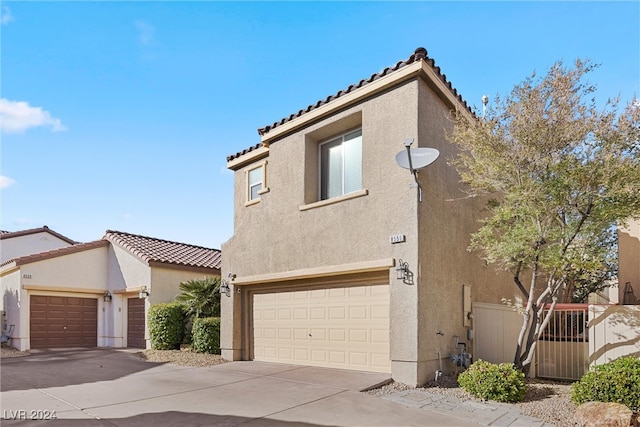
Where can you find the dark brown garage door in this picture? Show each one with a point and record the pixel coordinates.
(58, 322)
(135, 323)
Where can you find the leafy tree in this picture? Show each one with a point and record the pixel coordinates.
(563, 174)
(201, 298)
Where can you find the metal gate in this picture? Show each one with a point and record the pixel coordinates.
(563, 349)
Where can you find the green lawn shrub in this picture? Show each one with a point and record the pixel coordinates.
(502, 382)
(617, 381)
(166, 326)
(206, 335)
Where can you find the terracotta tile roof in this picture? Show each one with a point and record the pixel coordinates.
(80, 247)
(243, 152)
(45, 229)
(150, 249)
(418, 55)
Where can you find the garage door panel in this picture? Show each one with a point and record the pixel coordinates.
(136, 323)
(58, 322)
(342, 327)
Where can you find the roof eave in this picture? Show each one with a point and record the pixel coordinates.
(185, 267)
(406, 73)
(417, 69)
(248, 158)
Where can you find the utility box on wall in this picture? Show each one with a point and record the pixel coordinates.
(466, 305)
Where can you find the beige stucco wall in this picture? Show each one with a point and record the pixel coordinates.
(276, 236)
(81, 274)
(11, 302)
(629, 259)
(447, 219)
(15, 247)
(166, 283)
(127, 270)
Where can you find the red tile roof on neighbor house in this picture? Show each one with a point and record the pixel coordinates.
(420, 54)
(78, 247)
(150, 250)
(43, 229)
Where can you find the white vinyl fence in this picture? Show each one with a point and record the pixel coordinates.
(578, 336)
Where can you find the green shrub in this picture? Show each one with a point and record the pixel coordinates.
(166, 326)
(617, 381)
(502, 383)
(206, 335)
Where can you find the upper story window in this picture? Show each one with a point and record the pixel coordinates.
(256, 183)
(341, 165)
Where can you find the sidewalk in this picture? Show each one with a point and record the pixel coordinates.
(484, 413)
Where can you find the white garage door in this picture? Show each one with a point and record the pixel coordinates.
(346, 327)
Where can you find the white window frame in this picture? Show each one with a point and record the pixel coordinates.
(263, 183)
(321, 166)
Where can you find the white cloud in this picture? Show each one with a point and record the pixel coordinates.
(24, 221)
(146, 32)
(6, 182)
(5, 15)
(18, 116)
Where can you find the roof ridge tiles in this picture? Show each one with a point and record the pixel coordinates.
(152, 249)
(158, 239)
(43, 229)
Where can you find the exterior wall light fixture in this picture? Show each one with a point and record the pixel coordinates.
(403, 273)
(106, 297)
(224, 286)
(143, 292)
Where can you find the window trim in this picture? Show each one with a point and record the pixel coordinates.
(338, 199)
(330, 140)
(265, 189)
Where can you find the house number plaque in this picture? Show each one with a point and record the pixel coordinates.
(397, 238)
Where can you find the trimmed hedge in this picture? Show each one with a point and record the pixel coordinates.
(206, 335)
(617, 381)
(166, 326)
(502, 382)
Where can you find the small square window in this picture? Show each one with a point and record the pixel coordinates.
(341, 165)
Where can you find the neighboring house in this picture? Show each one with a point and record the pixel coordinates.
(629, 263)
(325, 220)
(88, 295)
(14, 244)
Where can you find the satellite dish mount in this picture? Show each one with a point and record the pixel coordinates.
(415, 160)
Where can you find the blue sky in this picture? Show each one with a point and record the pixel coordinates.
(119, 115)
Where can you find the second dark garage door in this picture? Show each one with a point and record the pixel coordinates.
(59, 322)
(135, 323)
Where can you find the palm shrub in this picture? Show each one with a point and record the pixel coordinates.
(501, 382)
(617, 381)
(166, 325)
(206, 335)
(201, 297)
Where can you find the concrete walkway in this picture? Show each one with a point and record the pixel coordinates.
(484, 413)
(105, 387)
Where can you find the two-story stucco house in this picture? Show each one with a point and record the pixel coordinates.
(334, 261)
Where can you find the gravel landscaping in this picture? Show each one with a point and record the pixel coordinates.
(6, 352)
(549, 401)
(182, 357)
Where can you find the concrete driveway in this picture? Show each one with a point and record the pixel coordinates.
(105, 387)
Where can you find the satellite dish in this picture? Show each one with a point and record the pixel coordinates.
(420, 157)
